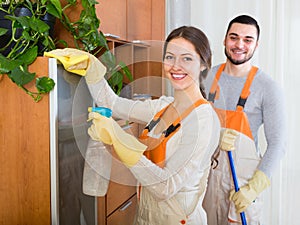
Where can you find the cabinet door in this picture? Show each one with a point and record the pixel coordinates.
(158, 20)
(112, 15)
(125, 214)
(139, 19)
(132, 19)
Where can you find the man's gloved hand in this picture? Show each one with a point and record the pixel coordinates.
(227, 139)
(79, 62)
(248, 193)
(107, 130)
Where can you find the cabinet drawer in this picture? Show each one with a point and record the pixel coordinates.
(125, 214)
(117, 194)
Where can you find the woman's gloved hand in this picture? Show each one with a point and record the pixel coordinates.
(79, 62)
(227, 139)
(107, 130)
(248, 193)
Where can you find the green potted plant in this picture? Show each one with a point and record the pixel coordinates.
(25, 33)
(28, 36)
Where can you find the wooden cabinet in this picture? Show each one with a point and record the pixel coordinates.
(25, 155)
(133, 19)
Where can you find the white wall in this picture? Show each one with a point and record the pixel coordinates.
(279, 56)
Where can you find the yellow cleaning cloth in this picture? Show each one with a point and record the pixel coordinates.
(79, 62)
(76, 64)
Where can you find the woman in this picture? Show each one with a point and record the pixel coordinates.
(171, 160)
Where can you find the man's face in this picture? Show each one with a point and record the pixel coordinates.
(240, 43)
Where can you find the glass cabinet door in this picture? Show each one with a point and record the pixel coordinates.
(73, 100)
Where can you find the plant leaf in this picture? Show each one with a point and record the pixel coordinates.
(38, 25)
(28, 56)
(3, 31)
(108, 59)
(27, 36)
(24, 21)
(102, 40)
(55, 8)
(116, 78)
(44, 84)
(126, 70)
(7, 65)
(21, 76)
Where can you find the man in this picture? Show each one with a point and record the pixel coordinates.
(245, 98)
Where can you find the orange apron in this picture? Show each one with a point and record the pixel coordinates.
(236, 120)
(156, 150)
(151, 210)
(246, 159)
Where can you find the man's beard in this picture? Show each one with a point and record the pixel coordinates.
(237, 62)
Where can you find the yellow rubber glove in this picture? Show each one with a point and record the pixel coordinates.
(248, 193)
(227, 139)
(79, 62)
(107, 130)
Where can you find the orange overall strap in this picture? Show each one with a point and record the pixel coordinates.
(239, 121)
(246, 89)
(189, 110)
(155, 119)
(214, 87)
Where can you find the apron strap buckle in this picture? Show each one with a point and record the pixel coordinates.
(171, 129)
(242, 102)
(152, 124)
(211, 97)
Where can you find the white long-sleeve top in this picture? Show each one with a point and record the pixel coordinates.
(188, 151)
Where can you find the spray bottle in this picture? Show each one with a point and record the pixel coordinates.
(101, 110)
(98, 162)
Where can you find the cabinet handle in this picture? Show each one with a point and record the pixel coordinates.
(125, 206)
(125, 127)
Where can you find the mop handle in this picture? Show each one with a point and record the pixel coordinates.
(236, 185)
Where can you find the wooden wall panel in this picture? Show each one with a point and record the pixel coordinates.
(24, 154)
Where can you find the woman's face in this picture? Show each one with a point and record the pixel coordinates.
(182, 64)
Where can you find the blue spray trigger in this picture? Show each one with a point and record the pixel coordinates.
(101, 110)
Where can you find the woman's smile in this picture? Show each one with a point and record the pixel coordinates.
(178, 76)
